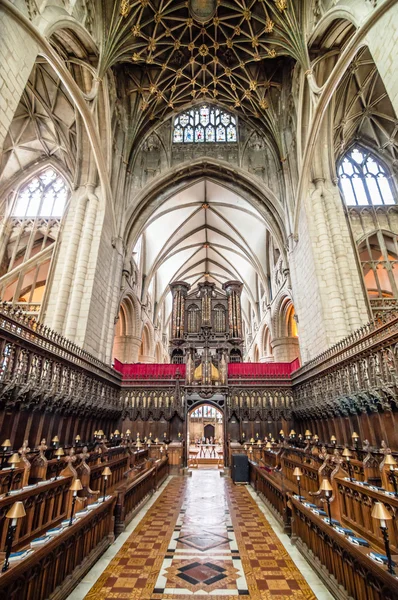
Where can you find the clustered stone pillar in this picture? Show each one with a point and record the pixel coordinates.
(234, 290)
(179, 290)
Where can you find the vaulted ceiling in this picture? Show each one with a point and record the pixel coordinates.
(229, 51)
(206, 232)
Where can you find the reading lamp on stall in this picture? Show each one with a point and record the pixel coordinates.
(298, 474)
(381, 514)
(105, 474)
(347, 455)
(13, 461)
(392, 463)
(327, 489)
(5, 445)
(74, 488)
(17, 511)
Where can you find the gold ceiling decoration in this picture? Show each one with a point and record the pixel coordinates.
(229, 50)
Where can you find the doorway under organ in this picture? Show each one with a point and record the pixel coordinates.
(206, 435)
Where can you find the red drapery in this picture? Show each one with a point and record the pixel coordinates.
(235, 370)
(149, 371)
(261, 370)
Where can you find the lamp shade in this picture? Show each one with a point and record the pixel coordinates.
(268, 445)
(101, 432)
(106, 472)
(292, 432)
(325, 486)
(14, 459)
(76, 486)
(355, 436)
(60, 452)
(117, 432)
(333, 438)
(6, 444)
(17, 511)
(55, 439)
(390, 460)
(128, 432)
(281, 432)
(346, 453)
(308, 432)
(77, 438)
(297, 472)
(380, 512)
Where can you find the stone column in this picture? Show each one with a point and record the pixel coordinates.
(285, 349)
(18, 53)
(71, 232)
(234, 290)
(81, 265)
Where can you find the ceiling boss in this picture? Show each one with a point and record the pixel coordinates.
(202, 10)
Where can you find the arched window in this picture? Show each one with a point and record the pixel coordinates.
(44, 195)
(220, 321)
(363, 180)
(379, 259)
(204, 124)
(193, 313)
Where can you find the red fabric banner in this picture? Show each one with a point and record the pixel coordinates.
(149, 371)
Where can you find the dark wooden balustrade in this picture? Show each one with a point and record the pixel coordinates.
(132, 493)
(46, 505)
(345, 568)
(52, 570)
(273, 491)
(353, 507)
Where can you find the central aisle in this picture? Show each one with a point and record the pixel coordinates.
(204, 537)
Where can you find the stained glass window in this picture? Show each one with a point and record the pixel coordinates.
(363, 180)
(204, 124)
(44, 195)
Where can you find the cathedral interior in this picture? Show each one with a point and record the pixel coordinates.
(198, 299)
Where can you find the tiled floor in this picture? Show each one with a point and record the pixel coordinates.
(203, 537)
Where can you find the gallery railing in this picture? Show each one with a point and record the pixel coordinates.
(41, 370)
(359, 374)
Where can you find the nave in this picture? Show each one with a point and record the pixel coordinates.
(203, 537)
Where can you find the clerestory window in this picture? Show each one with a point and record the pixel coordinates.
(363, 180)
(204, 124)
(44, 195)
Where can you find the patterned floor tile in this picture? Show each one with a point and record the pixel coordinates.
(203, 538)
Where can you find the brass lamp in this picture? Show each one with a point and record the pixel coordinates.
(327, 489)
(268, 446)
(156, 440)
(101, 434)
(60, 452)
(95, 434)
(298, 474)
(74, 488)
(347, 455)
(55, 441)
(380, 513)
(5, 445)
(292, 434)
(316, 438)
(259, 443)
(14, 460)
(391, 462)
(17, 511)
(77, 439)
(138, 444)
(308, 434)
(355, 438)
(128, 432)
(282, 433)
(105, 474)
(333, 440)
